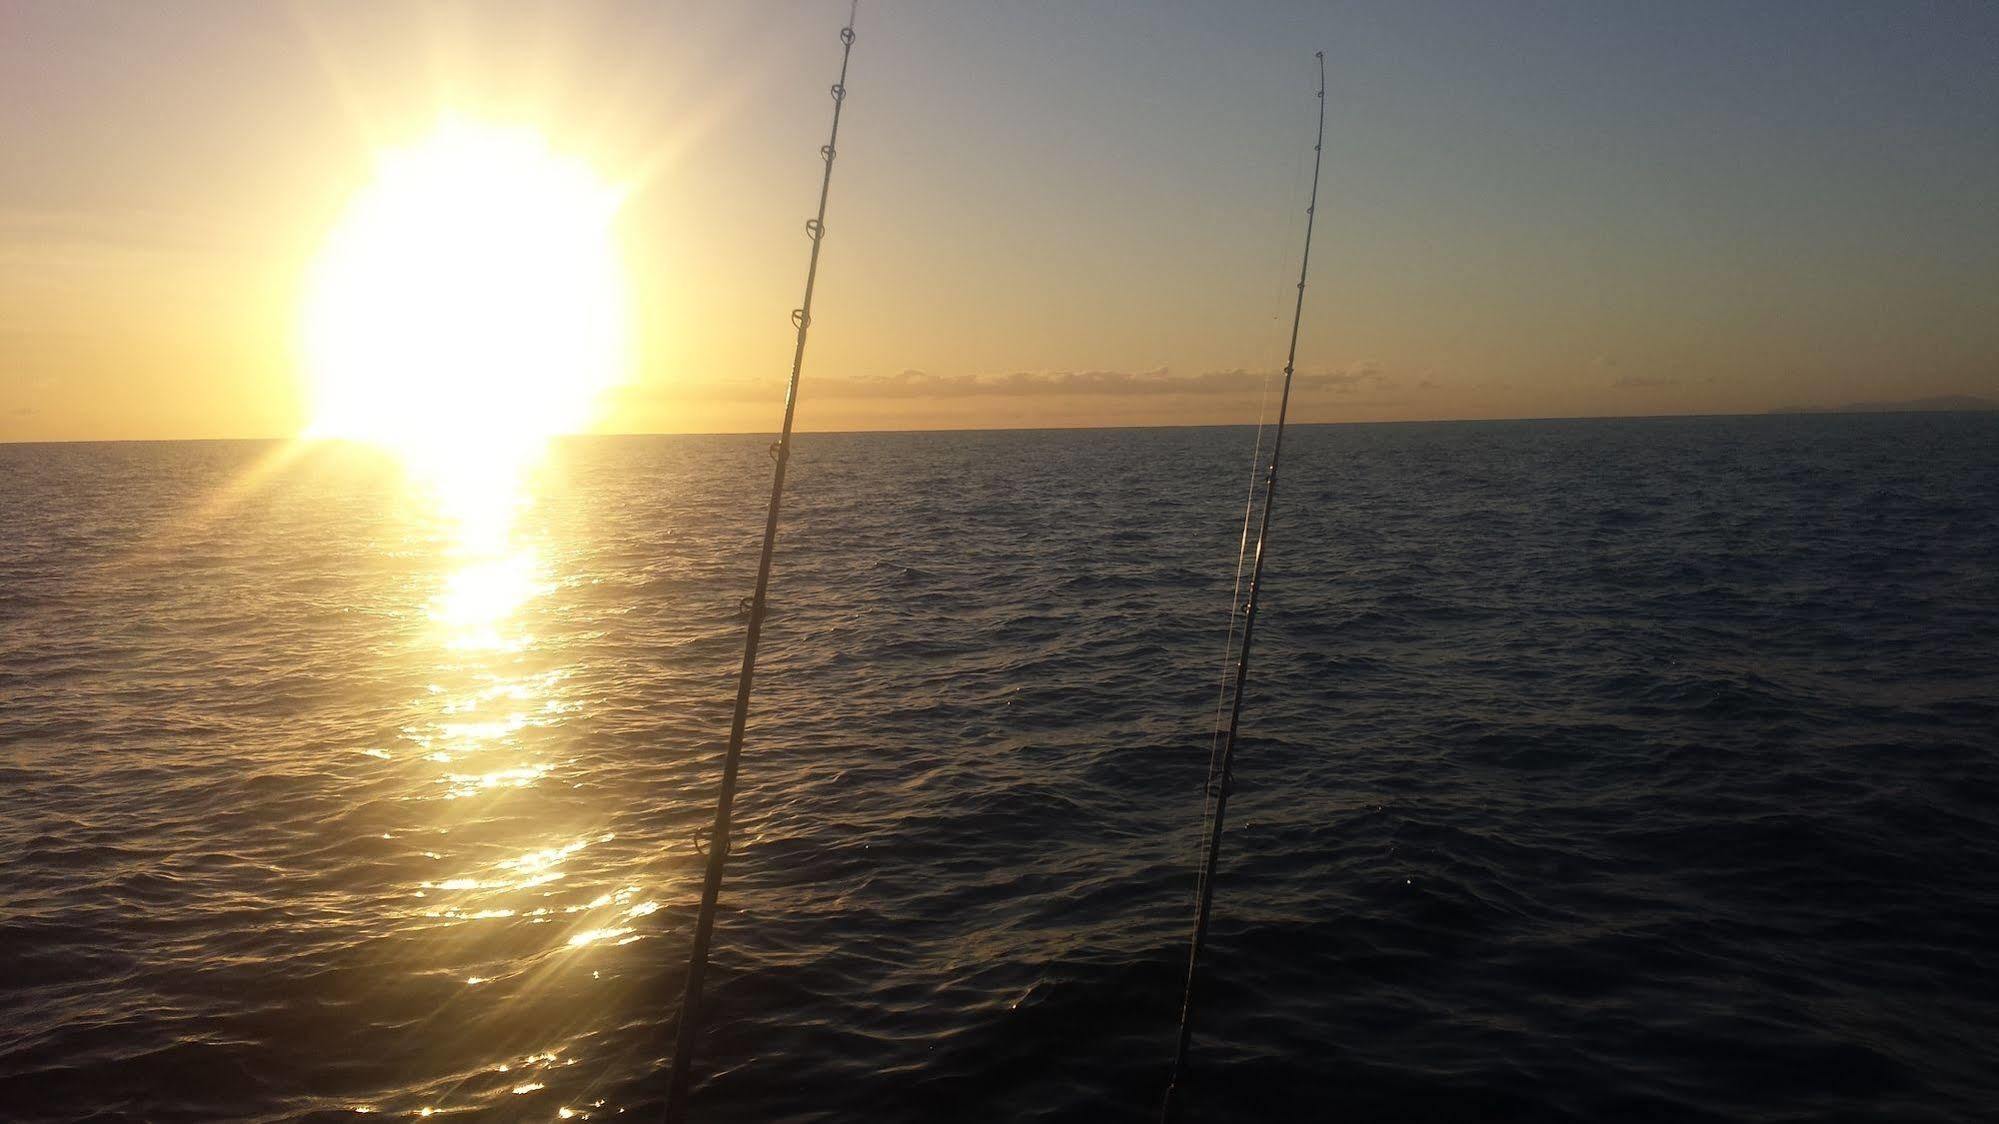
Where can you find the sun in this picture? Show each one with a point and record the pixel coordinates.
(469, 304)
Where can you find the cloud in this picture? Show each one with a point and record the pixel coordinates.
(920, 384)
(1023, 384)
(1643, 382)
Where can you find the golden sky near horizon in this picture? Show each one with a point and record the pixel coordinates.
(1059, 216)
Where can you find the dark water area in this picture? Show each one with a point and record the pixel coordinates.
(1594, 770)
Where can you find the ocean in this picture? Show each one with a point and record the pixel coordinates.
(1593, 770)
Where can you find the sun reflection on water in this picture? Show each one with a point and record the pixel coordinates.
(525, 908)
(481, 597)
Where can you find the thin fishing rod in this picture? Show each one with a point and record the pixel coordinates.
(1222, 775)
(718, 844)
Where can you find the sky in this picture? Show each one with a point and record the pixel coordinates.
(1043, 214)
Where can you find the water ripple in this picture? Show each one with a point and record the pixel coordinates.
(1594, 770)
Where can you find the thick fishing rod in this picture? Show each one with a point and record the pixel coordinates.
(1221, 776)
(718, 844)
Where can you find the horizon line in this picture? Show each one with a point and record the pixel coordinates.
(1785, 411)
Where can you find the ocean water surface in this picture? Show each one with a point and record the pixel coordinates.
(1594, 770)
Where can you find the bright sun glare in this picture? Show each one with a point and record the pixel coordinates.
(469, 304)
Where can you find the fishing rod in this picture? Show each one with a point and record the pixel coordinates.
(780, 452)
(1221, 773)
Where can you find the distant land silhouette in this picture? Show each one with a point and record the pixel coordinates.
(1908, 406)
